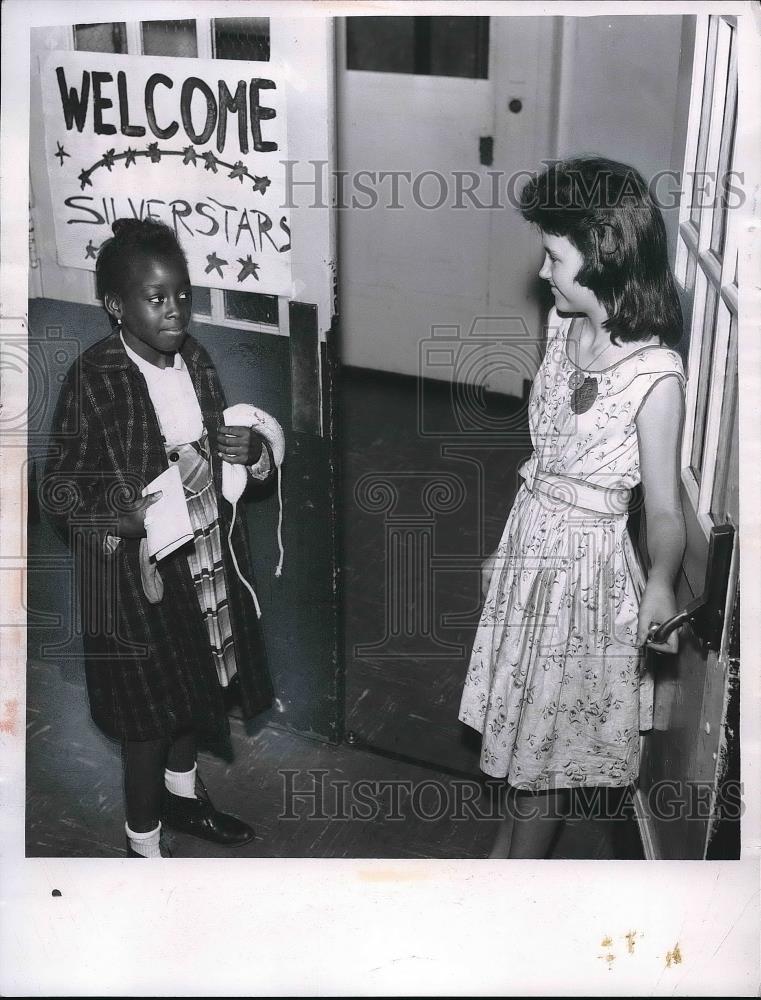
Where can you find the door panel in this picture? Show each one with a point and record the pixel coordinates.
(684, 764)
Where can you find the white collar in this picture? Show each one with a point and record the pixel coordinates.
(147, 367)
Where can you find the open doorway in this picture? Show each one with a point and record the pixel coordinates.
(442, 315)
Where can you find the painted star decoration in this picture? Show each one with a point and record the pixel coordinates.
(214, 264)
(189, 154)
(239, 171)
(90, 250)
(60, 152)
(249, 267)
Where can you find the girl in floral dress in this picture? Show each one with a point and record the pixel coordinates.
(557, 682)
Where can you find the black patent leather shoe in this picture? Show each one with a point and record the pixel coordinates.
(199, 818)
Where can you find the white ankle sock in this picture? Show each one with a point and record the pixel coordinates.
(181, 782)
(146, 844)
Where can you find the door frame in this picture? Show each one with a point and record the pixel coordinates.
(704, 276)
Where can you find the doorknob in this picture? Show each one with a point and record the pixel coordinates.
(706, 613)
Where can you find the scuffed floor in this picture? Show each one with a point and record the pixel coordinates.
(74, 800)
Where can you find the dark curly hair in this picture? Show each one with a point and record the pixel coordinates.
(132, 238)
(604, 208)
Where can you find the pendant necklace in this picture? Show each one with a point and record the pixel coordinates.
(585, 387)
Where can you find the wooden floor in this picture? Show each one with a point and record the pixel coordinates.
(410, 786)
(414, 478)
(303, 798)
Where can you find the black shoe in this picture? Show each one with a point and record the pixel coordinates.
(199, 818)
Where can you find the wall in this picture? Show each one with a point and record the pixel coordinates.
(618, 87)
(298, 610)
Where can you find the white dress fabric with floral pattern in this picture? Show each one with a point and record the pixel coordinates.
(556, 682)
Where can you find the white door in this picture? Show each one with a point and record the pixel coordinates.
(687, 769)
(435, 116)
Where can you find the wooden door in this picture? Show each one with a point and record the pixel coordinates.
(686, 761)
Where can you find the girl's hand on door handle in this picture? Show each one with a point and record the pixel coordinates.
(657, 606)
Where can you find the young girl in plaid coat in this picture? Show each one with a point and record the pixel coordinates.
(161, 641)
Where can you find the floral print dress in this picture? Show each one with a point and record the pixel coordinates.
(557, 684)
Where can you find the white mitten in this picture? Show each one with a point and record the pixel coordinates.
(234, 477)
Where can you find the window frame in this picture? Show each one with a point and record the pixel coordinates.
(713, 272)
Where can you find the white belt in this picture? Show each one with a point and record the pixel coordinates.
(578, 492)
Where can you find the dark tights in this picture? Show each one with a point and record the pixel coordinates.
(144, 763)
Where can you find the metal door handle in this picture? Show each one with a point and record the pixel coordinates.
(705, 613)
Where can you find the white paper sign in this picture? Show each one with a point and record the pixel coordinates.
(195, 143)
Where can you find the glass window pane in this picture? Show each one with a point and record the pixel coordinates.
(725, 496)
(251, 307)
(687, 297)
(726, 157)
(242, 38)
(426, 46)
(705, 116)
(704, 382)
(107, 36)
(381, 44)
(169, 38)
(459, 46)
(201, 300)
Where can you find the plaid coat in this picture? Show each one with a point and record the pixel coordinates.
(149, 667)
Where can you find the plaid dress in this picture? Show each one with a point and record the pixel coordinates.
(151, 668)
